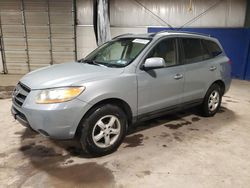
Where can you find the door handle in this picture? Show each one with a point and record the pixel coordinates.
(212, 68)
(178, 76)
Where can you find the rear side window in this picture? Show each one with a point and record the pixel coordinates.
(212, 47)
(193, 51)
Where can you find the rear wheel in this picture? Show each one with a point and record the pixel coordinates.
(103, 130)
(212, 101)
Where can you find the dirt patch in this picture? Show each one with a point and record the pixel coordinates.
(133, 141)
(5, 94)
(88, 174)
(221, 111)
(7, 88)
(232, 101)
(69, 162)
(28, 133)
(178, 125)
(25, 147)
(146, 172)
(178, 136)
(39, 151)
(82, 175)
(58, 165)
(164, 135)
(6, 91)
(19, 133)
(74, 151)
(195, 119)
(143, 173)
(2, 155)
(193, 129)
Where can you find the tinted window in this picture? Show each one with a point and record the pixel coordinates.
(205, 53)
(165, 49)
(213, 48)
(193, 51)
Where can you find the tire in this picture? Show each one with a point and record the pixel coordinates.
(211, 104)
(103, 130)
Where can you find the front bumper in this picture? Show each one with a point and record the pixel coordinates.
(59, 121)
(19, 117)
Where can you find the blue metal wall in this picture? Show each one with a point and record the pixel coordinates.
(235, 42)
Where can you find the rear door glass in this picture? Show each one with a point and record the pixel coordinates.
(193, 51)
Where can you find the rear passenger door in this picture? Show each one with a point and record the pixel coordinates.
(199, 69)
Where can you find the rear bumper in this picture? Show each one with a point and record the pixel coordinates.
(227, 82)
(59, 121)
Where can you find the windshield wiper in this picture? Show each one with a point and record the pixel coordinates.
(80, 60)
(114, 65)
(91, 62)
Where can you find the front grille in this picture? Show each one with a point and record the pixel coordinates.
(19, 94)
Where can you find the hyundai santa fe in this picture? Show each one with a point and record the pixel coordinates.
(128, 79)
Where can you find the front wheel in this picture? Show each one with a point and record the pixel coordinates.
(212, 101)
(103, 130)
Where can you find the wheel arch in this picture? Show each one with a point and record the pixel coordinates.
(115, 101)
(221, 84)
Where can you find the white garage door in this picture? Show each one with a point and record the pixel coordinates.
(37, 33)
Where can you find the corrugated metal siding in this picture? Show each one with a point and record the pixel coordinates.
(42, 34)
(226, 13)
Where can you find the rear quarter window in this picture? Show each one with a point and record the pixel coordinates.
(212, 47)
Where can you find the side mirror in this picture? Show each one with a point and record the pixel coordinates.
(154, 63)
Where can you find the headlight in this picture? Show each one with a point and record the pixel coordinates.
(57, 95)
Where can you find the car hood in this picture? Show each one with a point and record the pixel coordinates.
(67, 74)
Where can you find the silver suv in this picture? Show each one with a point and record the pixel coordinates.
(128, 79)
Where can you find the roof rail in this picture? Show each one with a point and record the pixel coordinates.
(178, 31)
(122, 35)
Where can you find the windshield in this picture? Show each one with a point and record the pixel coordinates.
(117, 53)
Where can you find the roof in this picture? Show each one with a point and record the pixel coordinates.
(162, 33)
(169, 32)
(131, 35)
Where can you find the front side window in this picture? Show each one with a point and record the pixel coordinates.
(119, 52)
(165, 49)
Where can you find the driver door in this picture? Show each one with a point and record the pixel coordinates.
(161, 89)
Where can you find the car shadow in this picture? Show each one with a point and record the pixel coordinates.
(32, 144)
